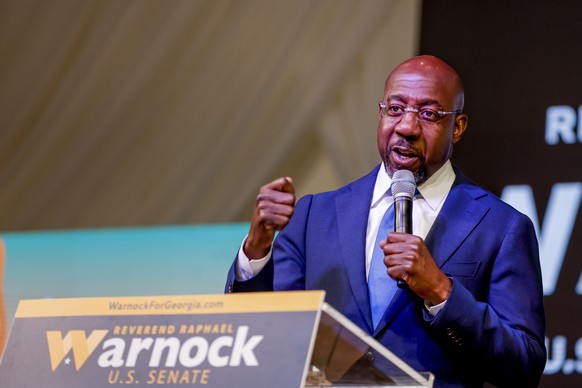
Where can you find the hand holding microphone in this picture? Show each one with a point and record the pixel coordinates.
(407, 253)
(403, 187)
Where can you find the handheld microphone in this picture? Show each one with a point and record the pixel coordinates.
(403, 187)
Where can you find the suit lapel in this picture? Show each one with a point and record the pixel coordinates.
(352, 209)
(460, 214)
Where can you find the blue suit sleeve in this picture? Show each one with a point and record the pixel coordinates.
(504, 332)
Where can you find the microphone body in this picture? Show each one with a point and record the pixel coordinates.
(403, 214)
(403, 187)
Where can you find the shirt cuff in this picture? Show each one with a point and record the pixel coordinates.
(247, 269)
(434, 310)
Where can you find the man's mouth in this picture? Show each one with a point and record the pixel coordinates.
(405, 152)
(404, 155)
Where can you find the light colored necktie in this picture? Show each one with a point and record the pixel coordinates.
(381, 287)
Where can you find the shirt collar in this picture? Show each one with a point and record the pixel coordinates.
(434, 190)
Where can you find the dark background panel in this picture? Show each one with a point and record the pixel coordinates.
(516, 60)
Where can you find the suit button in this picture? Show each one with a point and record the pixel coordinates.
(370, 356)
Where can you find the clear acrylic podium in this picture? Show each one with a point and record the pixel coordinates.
(339, 347)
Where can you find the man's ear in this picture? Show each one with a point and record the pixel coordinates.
(460, 126)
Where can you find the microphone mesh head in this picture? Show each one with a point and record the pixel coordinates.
(403, 184)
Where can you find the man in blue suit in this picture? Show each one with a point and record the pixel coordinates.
(472, 311)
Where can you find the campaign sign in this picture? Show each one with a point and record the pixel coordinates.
(234, 340)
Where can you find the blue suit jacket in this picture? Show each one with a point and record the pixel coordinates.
(492, 326)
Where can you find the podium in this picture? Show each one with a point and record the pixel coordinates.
(274, 339)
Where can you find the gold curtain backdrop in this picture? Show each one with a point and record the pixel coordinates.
(147, 112)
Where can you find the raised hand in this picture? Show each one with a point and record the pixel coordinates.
(273, 210)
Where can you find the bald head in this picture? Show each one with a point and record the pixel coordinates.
(427, 66)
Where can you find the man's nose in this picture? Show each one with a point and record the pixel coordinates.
(409, 125)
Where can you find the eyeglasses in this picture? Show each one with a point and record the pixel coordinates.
(397, 111)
